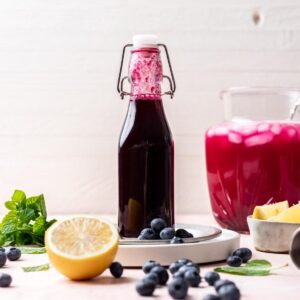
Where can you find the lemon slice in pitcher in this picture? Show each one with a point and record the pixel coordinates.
(82, 247)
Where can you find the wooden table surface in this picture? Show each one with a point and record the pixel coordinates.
(283, 284)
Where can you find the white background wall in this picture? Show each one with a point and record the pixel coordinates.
(60, 115)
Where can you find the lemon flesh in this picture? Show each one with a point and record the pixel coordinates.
(82, 247)
(265, 212)
(290, 215)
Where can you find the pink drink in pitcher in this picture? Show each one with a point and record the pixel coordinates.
(251, 163)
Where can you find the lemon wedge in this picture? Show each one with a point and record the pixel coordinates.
(82, 247)
(290, 215)
(265, 212)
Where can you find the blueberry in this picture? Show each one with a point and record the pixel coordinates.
(192, 277)
(176, 240)
(13, 254)
(116, 269)
(5, 280)
(221, 282)
(244, 253)
(147, 234)
(152, 276)
(186, 268)
(167, 233)
(158, 225)
(2, 259)
(183, 261)
(182, 233)
(178, 275)
(234, 261)
(211, 277)
(211, 297)
(162, 274)
(149, 265)
(191, 264)
(181, 271)
(145, 287)
(175, 266)
(229, 292)
(178, 288)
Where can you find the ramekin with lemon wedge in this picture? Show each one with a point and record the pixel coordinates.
(272, 226)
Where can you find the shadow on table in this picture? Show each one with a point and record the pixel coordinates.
(106, 280)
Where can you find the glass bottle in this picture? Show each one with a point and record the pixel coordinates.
(146, 146)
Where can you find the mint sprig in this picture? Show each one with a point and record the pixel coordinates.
(252, 268)
(26, 221)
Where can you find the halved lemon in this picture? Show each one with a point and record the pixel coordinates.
(82, 247)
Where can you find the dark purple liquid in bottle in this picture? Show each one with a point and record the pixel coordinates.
(146, 150)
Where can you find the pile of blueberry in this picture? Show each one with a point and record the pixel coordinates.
(186, 274)
(11, 254)
(159, 230)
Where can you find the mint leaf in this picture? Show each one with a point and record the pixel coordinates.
(9, 227)
(50, 223)
(18, 196)
(8, 242)
(39, 225)
(42, 205)
(10, 205)
(22, 238)
(26, 215)
(33, 250)
(10, 216)
(44, 267)
(251, 268)
(31, 201)
(38, 203)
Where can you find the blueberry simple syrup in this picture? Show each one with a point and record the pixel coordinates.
(146, 148)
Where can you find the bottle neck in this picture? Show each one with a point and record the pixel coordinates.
(145, 73)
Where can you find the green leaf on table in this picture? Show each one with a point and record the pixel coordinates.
(44, 267)
(251, 268)
(33, 250)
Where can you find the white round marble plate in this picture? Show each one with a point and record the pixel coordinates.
(208, 251)
(200, 233)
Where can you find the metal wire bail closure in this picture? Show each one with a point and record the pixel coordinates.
(122, 79)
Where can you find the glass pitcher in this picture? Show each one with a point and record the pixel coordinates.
(253, 157)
